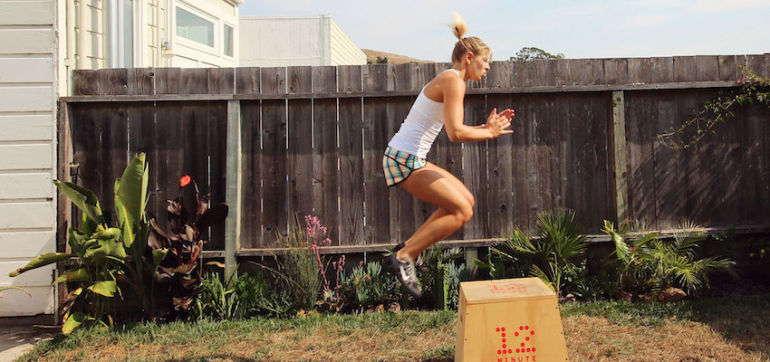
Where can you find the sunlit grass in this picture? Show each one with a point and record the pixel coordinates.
(705, 329)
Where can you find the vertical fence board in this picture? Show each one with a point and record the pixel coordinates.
(300, 158)
(273, 171)
(377, 133)
(728, 69)
(685, 69)
(544, 152)
(667, 165)
(272, 80)
(500, 175)
(115, 148)
(616, 71)
(758, 64)
(247, 80)
(221, 80)
(113, 81)
(520, 124)
(141, 81)
(216, 154)
(251, 215)
(352, 167)
(350, 158)
(141, 119)
(325, 175)
(639, 70)
(640, 133)
(406, 213)
(706, 67)
(194, 81)
(349, 78)
(662, 70)
(475, 167)
(500, 75)
(85, 83)
(300, 138)
(168, 80)
(87, 133)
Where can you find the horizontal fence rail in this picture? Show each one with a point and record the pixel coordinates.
(311, 142)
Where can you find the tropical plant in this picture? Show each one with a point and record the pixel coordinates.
(549, 256)
(188, 218)
(649, 265)
(98, 258)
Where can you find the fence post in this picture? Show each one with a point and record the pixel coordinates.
(234, 188)
(619, 146)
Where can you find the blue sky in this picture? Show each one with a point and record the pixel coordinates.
(579, 29)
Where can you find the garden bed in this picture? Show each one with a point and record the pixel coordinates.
(713, 328)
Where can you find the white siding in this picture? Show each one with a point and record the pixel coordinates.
(292, 41)
(343, 51)
(27, 150)
(283, 41)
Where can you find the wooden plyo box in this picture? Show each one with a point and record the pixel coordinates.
(509, 320)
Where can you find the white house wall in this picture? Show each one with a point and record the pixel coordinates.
(343, 50)
(28, 89)
(187, 53)
(282, 41)
(294, 41)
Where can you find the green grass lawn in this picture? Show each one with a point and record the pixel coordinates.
(724, 328)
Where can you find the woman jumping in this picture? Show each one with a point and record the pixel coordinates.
(440, 104)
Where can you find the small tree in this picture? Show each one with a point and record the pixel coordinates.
(532, 53)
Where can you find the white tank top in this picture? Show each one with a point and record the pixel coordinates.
(421, 126)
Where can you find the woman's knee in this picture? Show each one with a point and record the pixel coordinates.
(464, 212)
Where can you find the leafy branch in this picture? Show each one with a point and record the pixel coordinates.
(752, 89)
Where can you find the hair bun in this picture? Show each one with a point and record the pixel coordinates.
(458, 26)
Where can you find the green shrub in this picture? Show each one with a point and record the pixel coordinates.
(648, 265)
(368, 286)
(258, 298)
(442, 276)
(554, 256)
(216, 300)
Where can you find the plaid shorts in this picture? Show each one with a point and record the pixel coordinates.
(399, 165)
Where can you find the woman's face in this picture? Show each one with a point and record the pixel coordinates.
(478, 65)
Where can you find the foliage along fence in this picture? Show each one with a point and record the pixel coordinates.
(311, 140)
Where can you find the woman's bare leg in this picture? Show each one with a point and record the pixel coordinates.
(437, 186)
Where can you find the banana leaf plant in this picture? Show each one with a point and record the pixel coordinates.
(102, 255)
(188, 218)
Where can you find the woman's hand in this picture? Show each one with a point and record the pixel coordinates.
(498, 122)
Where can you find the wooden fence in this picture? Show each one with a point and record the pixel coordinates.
(280, 142)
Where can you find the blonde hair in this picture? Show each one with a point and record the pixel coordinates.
(468, 44)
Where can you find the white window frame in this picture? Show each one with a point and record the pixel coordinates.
(216, 49)
(235, 39)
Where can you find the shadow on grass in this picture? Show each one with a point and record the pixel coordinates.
(740, 319)
(224, 357)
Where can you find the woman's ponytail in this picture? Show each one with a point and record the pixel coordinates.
(470, 44)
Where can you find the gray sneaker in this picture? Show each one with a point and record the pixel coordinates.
(405, 273)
